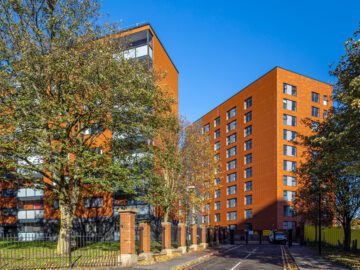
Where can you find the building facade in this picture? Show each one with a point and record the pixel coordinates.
(254, 135)
(31, 213)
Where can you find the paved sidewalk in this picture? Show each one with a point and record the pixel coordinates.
(180, 260)
(308, 259)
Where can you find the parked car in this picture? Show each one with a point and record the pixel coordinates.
(277, 237)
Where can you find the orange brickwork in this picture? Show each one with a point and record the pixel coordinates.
(255, 189)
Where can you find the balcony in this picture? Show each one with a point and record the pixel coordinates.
(30, 215)
(30, 236)
(29, 194)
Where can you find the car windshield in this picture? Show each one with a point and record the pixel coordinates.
(280, 234)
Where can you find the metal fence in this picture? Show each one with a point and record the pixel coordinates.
(175, 243)
(41, 253)
(156, 237)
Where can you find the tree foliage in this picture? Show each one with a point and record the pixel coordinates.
(74, 115)
(185, 169)
(333, 151)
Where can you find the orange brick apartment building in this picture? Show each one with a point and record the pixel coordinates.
(31, 213)
(253, 135)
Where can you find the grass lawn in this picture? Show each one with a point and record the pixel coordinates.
(42, 254)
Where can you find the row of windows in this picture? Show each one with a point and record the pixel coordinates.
(229, 203)
(231, 113)
(315, 97)
(229, 216)
(232, 190)
(233, 137)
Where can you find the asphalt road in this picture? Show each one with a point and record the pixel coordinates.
(241, 257)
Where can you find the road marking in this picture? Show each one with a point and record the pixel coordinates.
(226, 251)
(283, 256)
(247, 256)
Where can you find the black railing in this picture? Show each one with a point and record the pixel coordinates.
(156, 237)
(41, 252)
(175, 243)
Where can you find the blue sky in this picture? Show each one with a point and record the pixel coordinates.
(221, 46)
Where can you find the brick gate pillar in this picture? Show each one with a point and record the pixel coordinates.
(182, 237)
(203, 236)
(194, 241)
(127, 236)
(145, 239)
(166, 237)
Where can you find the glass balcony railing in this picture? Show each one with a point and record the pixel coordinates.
(30, 215)
(136, 52)
(29, 193)
(30, 236)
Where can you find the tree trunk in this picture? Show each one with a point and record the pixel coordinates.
(347, 235)
(66, 219)
(166, 215)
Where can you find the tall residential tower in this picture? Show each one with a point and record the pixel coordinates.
(254, 136)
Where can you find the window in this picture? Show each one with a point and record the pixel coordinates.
(7, 212)
(248, 186)
(289, 105)
(217, 205)
(231, 203)
(231, 152)
(248, 172)
(217, 181)
(287, 225)
(289, 195)
(231, 215)
(217, 193)
(231, 190)
(248, 200)
(206, 128)
(289, 135)
(217, 133)
(314, 111)
(231, 139)
(231, 113)
(289, 181)
(217, 217)
(325, 101)
(325, 114)
(217, 157)
(248, 159)
(231, 177)
(248, 213)
(55, 204)
(315, 125)
(289, 89)
(289, 120)
(205, 219)
(289, 150)
(231, 165)
(248, 117)
(9, 193)
(231, 126)
(288, 211)
(217, 122)
(289, 166)
(247, 145)
(315, 97)
(93, 202)
(207, 207)
(247, 131)
(217, 146)
(248, 103)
